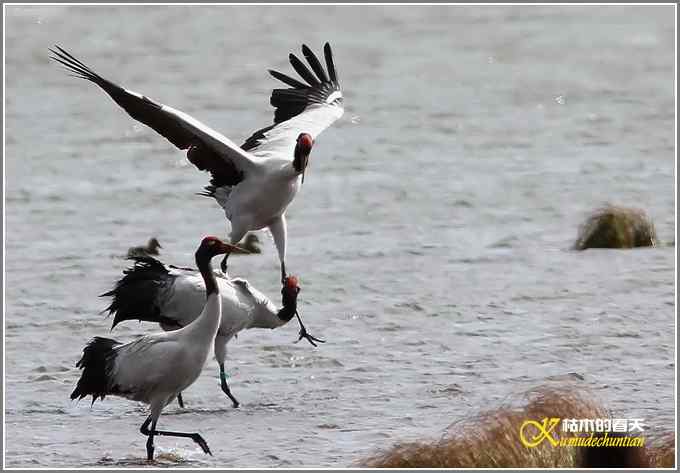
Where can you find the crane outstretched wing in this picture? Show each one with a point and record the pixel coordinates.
(306, 107)
(207, 149)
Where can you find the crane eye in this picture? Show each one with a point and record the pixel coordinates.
(211, 242)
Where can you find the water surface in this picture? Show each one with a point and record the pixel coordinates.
(431, 236)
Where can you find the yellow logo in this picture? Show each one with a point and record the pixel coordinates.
(532, 433)
(541, 431)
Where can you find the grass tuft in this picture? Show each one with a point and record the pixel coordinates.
(616, 227)
(491, 439)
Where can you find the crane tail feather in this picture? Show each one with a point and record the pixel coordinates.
(97, 363)
(139, 294)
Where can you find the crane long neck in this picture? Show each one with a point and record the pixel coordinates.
(204, 328)
(271, 316)
(205, 267)
(288, 310)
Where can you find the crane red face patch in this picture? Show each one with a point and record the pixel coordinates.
(210, 240)
(292, 282)
(305, 141)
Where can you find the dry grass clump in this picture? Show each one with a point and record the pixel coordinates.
(491, 439)
(661, 451)
(612, 457)
(616, 227)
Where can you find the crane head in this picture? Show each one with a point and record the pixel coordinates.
(303, 148)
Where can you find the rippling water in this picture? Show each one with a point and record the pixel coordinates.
(431, 235)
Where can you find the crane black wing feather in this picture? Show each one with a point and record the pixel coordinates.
(207, 149)
(314, 63)
(317, 90)
(328, 54)
(301, 69)
(139, 107)
(287, 80)
(310, 106)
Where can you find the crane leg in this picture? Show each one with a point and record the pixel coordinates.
(151, 433)
(225, 386)
(144, 429)
(238, 231)
(279, 232)
(180, 401)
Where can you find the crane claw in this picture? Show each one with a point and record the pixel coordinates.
(303, 333)
(310, 339)
(201, 443)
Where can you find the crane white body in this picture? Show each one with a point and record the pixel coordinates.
(155, 368)
(242, 306)
(172, 297)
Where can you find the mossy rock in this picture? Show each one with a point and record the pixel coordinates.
(616, 227)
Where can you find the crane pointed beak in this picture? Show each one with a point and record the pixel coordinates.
(304, 171)
(228, 248)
